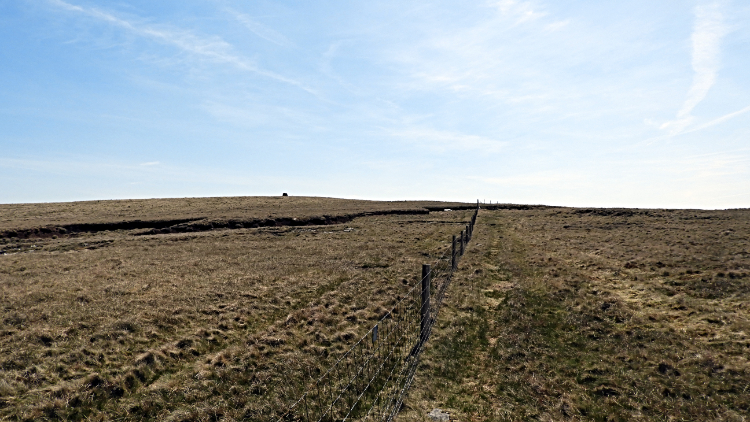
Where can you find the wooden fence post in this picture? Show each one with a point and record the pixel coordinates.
(453, 254)
(463, 239)
(425, 302)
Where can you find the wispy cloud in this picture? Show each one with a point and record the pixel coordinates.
(720, 120)
(212, 48)
(248, 116)
(543, 178)
(522, 11)
(73, 164)
(259, 29)
(327, 68)
(76, 177)
(703, 166)
(708, 30)
(556, 26)
(684, 131)
(513, 51)
(446, 140)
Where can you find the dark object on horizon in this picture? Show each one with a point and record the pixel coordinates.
(284, 194)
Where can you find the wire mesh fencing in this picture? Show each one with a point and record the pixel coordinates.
(369, 381)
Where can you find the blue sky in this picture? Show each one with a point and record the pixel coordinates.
(581, 103)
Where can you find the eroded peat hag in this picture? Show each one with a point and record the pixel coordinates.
(594, 314)
(197, 326)
(141, 227)
(154, 216)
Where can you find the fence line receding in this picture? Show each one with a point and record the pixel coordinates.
(369, 381)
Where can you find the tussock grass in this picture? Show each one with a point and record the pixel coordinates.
(597, 315)
(219, 324)
(555, 314)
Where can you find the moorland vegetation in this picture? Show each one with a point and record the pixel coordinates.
(555, 313)
(216, 322)
(595, 315)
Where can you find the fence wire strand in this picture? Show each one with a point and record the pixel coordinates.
(369, 381)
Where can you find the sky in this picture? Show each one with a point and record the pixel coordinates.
(578, 103)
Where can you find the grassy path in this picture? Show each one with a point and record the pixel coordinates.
(558, 316)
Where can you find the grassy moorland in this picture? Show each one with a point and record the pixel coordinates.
(218, 310)
(125, 323)
(595, 315)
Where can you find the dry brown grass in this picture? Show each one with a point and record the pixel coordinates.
(195, 326)
(603, 315)
(555, 314)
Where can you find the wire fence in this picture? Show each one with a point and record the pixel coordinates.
(369, 381)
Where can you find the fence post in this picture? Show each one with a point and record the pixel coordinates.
(425, 302)
(462, 244)
(467, 234)
(453, 254)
